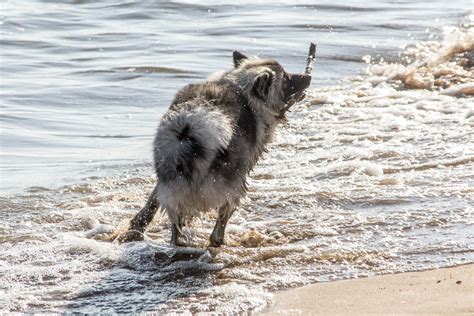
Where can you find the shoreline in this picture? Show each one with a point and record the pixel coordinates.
(438, 291)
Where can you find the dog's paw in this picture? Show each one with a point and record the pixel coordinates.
(129, 236)
(215, 243)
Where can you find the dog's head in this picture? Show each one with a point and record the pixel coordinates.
(265, 81)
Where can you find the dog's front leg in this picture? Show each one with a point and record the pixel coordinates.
(140, 222)
(217, 236)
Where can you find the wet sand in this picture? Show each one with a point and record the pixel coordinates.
(444, 291)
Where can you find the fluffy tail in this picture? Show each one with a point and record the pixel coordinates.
(187, 142)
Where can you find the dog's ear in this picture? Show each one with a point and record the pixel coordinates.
(262, 84)
(238, 58)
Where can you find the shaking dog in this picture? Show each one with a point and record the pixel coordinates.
(211, 138)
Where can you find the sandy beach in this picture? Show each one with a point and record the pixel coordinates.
(443, 291)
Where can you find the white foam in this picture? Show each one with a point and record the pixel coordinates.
(459, 90)
(431, 65)
(100, 229)
(359, 167)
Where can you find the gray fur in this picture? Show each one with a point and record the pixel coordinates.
(211, 138)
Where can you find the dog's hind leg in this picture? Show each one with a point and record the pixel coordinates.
(217, 236)
(140, 222)
(175, 233)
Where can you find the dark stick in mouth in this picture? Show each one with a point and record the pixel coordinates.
(311, 58)
(307, 71)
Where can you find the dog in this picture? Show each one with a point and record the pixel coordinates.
(211, 138)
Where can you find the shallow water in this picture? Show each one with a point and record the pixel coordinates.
(373, 174)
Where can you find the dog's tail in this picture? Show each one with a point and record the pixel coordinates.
(187, 142)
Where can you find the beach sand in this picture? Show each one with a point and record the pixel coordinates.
(442, 291)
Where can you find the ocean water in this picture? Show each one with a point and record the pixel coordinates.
(373, 174)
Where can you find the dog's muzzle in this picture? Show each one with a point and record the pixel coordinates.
(296, 86)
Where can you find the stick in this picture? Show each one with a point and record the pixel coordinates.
(307, 71)
(311, 58)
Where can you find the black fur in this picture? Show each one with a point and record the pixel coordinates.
(295, 83)
(262, 86)
(228, 162)
(238, 58)
(184, 165)
(194, 149)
